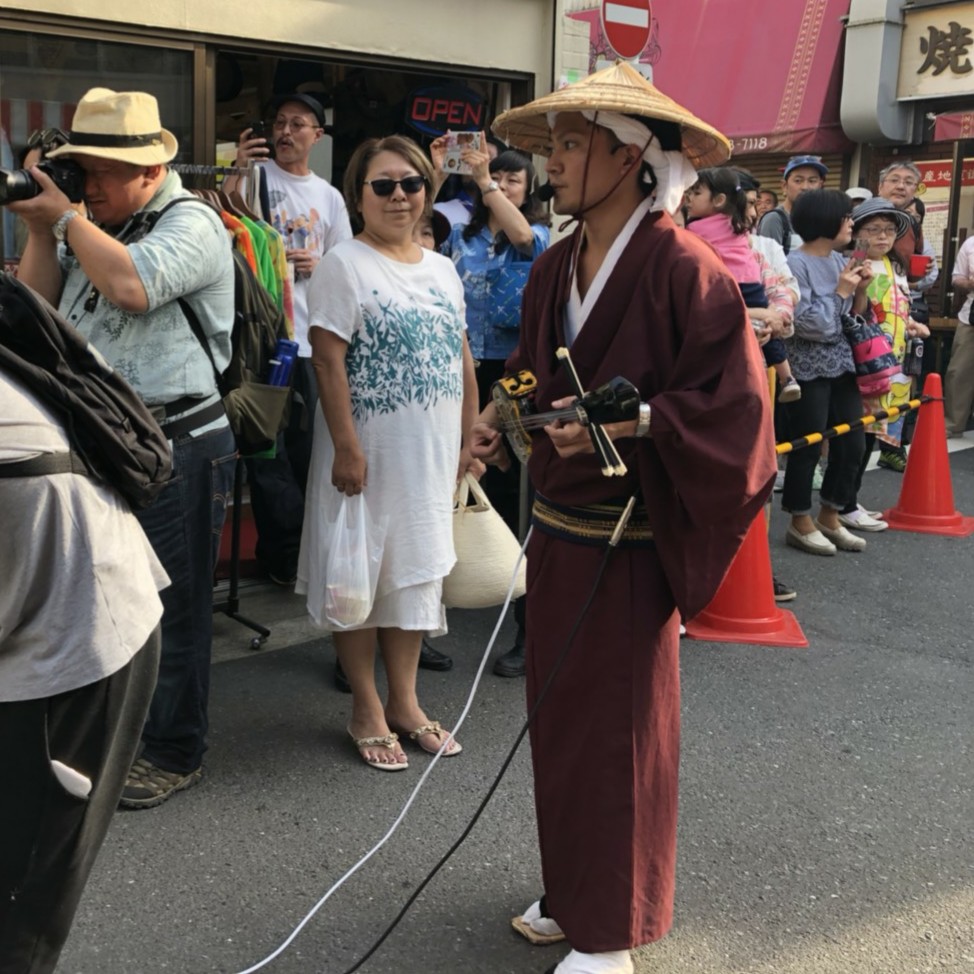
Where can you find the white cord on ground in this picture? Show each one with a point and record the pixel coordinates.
(419, 784)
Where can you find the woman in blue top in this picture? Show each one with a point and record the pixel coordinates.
(493, 254)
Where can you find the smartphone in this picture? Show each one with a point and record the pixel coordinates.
(259, 130)
(859, 253)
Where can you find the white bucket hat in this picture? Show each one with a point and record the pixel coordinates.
(122, 125)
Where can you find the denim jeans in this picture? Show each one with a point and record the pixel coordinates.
(184, 525)
(824, 403)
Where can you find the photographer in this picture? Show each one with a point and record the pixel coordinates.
(118, 280)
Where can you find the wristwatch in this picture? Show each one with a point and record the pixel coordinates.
(645, 417)
(492, 187)
(60, 227)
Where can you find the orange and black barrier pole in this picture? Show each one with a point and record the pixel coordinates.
(830, 434)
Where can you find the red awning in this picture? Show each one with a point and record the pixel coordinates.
(953, 126)
(767, 73)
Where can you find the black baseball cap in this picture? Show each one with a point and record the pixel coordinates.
(312, 104)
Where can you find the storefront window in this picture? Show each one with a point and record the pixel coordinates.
(42, 76)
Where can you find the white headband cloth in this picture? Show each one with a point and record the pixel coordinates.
(674, 174)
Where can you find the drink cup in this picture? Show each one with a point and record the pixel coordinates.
(919, 265)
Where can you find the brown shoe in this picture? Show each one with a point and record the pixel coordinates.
(148, 785)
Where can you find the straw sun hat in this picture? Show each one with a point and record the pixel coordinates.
(121, 125)
(620, 88)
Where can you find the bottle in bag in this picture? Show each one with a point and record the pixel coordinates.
(913, 357)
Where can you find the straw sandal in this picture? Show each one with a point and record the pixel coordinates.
(387, 740)
(534, 926)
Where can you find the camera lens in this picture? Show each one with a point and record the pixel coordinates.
(17, 184)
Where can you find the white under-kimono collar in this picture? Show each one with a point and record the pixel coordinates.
(577, 312)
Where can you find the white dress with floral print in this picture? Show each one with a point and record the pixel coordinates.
(404, 326)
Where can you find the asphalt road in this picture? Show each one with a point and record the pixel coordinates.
(826, 799)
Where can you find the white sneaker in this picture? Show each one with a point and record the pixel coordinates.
(862, 520)
(540, 930)
(613, 962)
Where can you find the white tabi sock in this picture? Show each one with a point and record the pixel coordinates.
(612, 962)
(540, 924)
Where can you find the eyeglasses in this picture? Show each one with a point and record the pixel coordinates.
(908, 181)
(877, 232)
(294, 124)
(384, 187)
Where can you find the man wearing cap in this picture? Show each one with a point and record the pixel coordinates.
(118, 280)
(631, 295)
(310, 214)
(802, 174)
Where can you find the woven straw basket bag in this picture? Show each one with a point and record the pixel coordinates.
(487, 551)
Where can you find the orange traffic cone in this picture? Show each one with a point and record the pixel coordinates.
(926, 503)
(744, 609)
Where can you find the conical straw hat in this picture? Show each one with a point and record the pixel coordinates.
(620, 88)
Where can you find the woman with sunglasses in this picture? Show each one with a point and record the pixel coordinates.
(396, 384)
(493, 254)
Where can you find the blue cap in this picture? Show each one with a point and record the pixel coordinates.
(796, 162)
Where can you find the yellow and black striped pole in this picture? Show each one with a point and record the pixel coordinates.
(812, 438)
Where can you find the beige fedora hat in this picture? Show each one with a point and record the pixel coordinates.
(620, 88)
(122, 125)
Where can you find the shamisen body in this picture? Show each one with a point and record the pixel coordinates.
(633, 295)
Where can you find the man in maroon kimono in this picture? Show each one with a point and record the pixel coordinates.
(630, 294)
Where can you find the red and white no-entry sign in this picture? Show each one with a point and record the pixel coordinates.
(627, 25)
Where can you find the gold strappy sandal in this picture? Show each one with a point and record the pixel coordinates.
(389, 741)
(433, 727)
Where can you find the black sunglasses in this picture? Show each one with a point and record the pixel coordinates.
(47, 139)
(384, 187)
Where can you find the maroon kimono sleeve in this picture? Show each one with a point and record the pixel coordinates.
(712, 462)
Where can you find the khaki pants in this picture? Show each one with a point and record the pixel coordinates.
(959, 385)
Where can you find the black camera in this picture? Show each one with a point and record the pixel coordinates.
(19, 184)
(259, 130)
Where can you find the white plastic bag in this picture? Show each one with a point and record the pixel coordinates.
(354, 558)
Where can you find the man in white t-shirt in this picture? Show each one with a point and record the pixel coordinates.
(310, 214)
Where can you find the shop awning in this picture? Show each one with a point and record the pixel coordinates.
(952, 126)
(767, 73)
